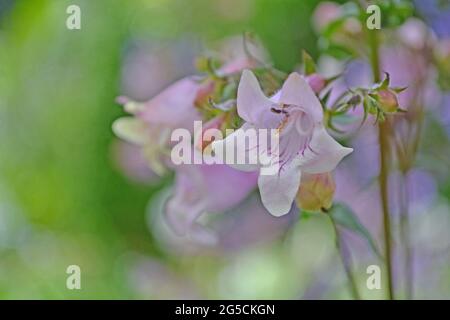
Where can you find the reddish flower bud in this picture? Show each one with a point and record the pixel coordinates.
(316, 82)
(388, 100)
(203, 141)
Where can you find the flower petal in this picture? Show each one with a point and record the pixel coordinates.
(240, 141)
(187, 203)
(251, 101)
(278, 191)
(297, 91)
(174, 106)
(324, 153)
(131, 130)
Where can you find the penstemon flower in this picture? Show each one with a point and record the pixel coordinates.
(297, 168)
(179, 105)
(201, 189)
(153, 121)
(304, 144)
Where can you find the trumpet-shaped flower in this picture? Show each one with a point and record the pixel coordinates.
(153, 120)
(201, 189)
(304, 144)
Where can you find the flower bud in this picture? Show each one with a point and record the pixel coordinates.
(388, 100)
(316, 82)
(205, 139)
(316, 191)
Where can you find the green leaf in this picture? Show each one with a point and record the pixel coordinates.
(345, 217)
(338, 51)
(326, 97)
(399, 89)
(386, 81)
(308, 63)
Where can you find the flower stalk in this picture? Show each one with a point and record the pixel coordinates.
(406, 237)
(345, 263)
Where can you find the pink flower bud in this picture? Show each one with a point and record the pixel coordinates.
(316, 191)
(316, 82)
(388, 100)
(203, 141)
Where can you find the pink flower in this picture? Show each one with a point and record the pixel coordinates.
(203, 189)
(153, 120)
(128, 158)
(173, 107)
(304, 144)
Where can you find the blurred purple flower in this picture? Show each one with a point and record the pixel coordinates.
(316, 82)
(244, 225)
(151, 279)
(150, 66)
(250, 223)
(325, 13)
(175, 107)
(201, 189)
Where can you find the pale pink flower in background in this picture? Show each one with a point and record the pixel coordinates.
(250, 223)
(150, 66)
(237, 58)
(201, 189)
(241, 226)
(325, 13)
(150, 278)
(175, 107)
(154, 120)
(415, 34)
(130, 160)
(316, 82)
(304, 144)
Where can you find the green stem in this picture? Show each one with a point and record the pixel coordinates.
(346, 264)
(405, 235)
(383, 138)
